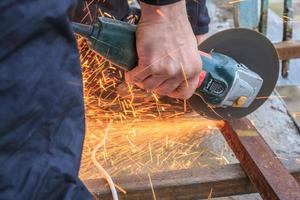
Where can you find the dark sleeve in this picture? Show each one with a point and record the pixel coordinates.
(41, 102)
(119, 9)
(198, 16)
(159, 2)
(197, 12)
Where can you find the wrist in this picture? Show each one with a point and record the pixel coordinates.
(200, 38)
(163, 13)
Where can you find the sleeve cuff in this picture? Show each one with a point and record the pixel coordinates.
(159, 2)
(198, 16)
(200, 30)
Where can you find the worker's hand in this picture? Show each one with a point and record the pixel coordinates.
(169, 63)
(200, 38)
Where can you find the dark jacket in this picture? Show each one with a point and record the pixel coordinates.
(41, 101)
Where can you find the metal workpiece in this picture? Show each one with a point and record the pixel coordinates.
(259, 171)
(271, 179)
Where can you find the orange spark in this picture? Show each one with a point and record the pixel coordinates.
(184, 75)
(143, 124)
(210, 194)
(235, 1)
(152, 189)
(271, 97)
(160, 13)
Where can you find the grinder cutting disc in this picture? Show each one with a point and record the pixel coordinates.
(253, 50)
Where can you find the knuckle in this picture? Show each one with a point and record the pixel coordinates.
(168, 68)
(194, 70)
(163, 91)
(127, 76)
(148, 86)
(168, 71)
(140, 85)
(185, 94)
(153, 69)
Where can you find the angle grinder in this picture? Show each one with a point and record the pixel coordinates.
(240, 66)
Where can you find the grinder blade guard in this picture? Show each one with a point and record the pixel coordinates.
(251, 50)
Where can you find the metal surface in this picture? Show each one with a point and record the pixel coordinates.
(268, 176)
(288, 50)
(184, 184)
(266, 172)
(251, 49)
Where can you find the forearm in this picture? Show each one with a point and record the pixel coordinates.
(196, 12)
(157, 13)
(168, 61)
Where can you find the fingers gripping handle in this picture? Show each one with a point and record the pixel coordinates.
(115, 41)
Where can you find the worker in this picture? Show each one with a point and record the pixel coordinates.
(41, 92)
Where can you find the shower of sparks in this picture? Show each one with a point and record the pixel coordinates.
(148, 133)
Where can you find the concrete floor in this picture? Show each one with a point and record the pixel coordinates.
(291, 96)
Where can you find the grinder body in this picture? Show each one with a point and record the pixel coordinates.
(223, 82)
